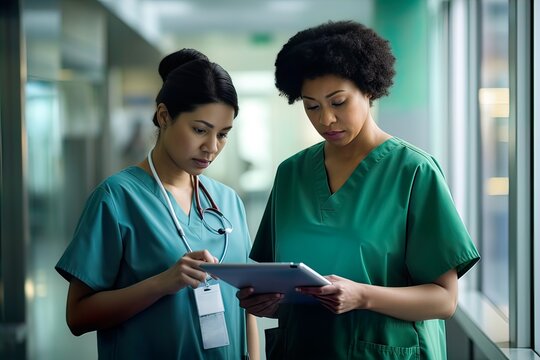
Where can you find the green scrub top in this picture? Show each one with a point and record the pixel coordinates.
(393, 223)
(126, 235)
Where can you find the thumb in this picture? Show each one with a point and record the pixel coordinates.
(333, 278)
(202, 255)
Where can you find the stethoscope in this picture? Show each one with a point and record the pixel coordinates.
(225, 226)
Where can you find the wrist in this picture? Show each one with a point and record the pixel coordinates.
(363, 296)
(157, 286)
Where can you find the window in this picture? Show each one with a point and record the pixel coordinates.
(493, 107)
(498, 313)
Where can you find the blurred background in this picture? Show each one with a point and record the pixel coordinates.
(79, 79)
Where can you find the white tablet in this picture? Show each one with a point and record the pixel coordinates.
(269, 278)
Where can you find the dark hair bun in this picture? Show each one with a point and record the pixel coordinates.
(178, 58)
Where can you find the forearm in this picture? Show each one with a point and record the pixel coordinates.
(88, 310)
(436, 300)
(252, 337)
(413, 303)
(105, 309)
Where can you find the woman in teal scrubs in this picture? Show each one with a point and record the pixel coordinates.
(367, 209)
(133, 262)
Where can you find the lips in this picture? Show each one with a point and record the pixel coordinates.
(333, 135)
(202, 163)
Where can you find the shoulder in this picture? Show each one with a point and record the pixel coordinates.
(126, 178)
(301, 158)
(126, 181)
(415, 158)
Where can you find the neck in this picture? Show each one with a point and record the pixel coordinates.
(369, 138)
(168, 171)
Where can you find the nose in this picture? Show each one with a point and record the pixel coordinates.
(327, 117)
(210, 145)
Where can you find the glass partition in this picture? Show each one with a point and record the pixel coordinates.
(58, 177)
(65, 72)
(493, 104)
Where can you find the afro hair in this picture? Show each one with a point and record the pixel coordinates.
(344, 48)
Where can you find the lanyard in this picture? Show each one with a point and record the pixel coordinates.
(170, 208)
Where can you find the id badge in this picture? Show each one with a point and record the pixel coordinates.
(211, 316)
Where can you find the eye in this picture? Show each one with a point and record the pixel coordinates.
(338, 103)
(311, 107)
(223, 136)
(199, 131)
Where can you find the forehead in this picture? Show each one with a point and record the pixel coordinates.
(213, 113)
(326, 84)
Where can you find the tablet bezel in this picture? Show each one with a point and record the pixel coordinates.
(281, 277)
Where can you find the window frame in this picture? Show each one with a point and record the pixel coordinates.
(520, 175)
(536, 178)
(476, 315)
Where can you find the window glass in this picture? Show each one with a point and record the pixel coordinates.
(536, 184)
(57, 187)
(493, 97)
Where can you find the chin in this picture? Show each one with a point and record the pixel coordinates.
(196, 172)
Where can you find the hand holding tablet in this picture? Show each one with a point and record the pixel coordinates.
(265, 278)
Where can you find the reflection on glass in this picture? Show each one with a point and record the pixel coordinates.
(50, 226)
(493, 100)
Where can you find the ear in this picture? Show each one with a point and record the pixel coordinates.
(162, 116)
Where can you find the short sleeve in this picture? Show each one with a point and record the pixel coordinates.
(95, 252)
(437, 239)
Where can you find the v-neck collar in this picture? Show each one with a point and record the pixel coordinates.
(153, 186)
(328, 200)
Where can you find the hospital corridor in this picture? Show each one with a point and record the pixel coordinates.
(78, 86)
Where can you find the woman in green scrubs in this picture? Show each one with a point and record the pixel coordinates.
(133, 262)
(370, 210)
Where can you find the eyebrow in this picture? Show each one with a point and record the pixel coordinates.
(327, 96)
(211, 126)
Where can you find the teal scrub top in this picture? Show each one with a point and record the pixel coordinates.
(125, 235)
(393, 223)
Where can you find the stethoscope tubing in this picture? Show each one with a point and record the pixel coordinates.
(170, 208)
